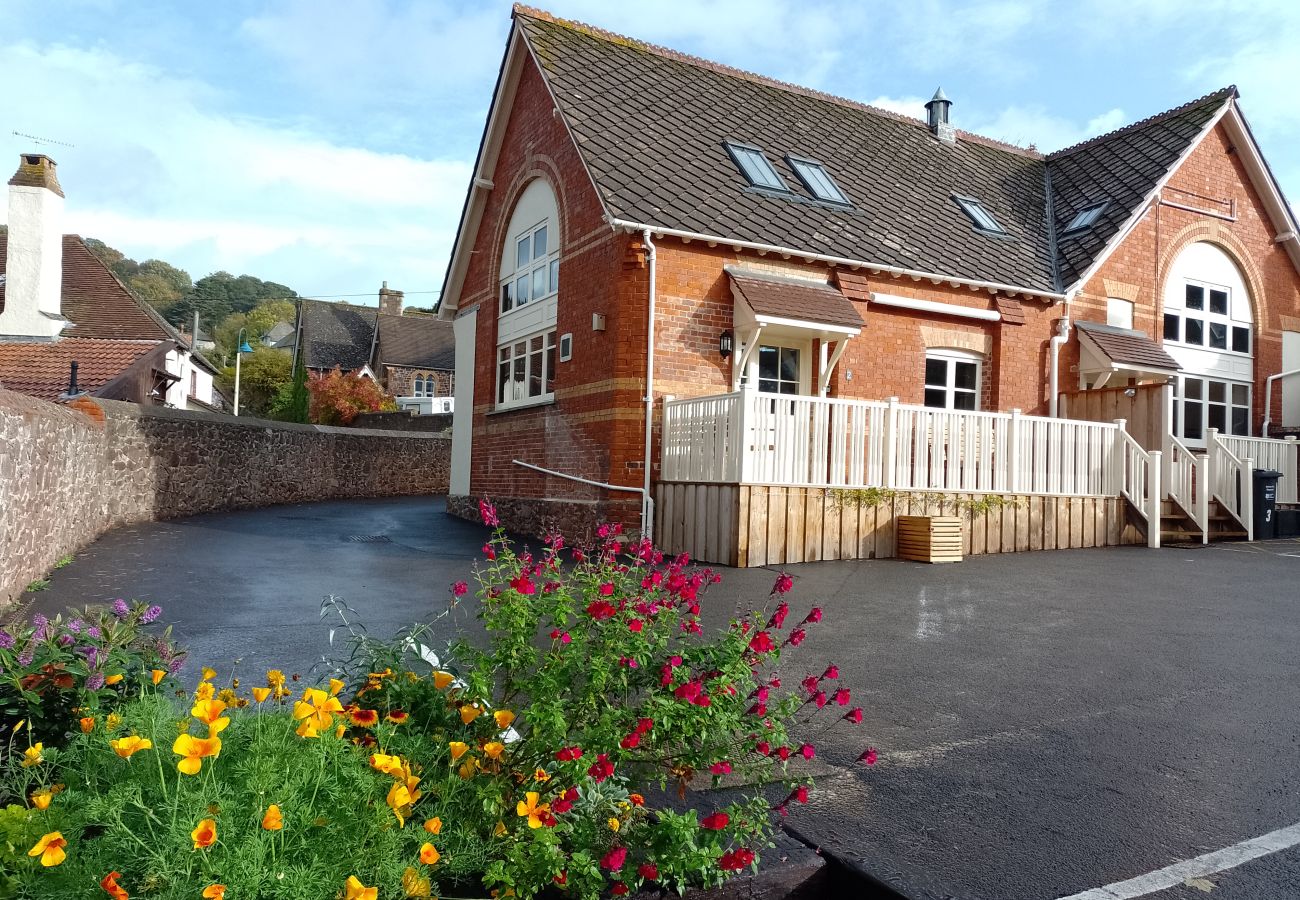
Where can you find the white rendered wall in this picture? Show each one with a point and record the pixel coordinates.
(1291, 386)
(465, 328)
(34, 267)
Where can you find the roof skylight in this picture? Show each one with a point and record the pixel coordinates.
(817, 180)
(1086, 217)
(983, 219)
(755, 166)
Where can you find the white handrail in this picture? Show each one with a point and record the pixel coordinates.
(1233, 482)
(1140, 482)
(1278, 454)
(1185, 484)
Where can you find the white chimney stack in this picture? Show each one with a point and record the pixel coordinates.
(34, 259)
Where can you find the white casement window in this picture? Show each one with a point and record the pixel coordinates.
(952, 379)
(536, 271)
(418, 389)
(1204, 403)
(525, 370)
(1204, 319)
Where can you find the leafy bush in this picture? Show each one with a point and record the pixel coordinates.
(54, 671)
(338, 398)
(529, 765)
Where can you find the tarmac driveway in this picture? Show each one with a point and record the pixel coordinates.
(1050, 724)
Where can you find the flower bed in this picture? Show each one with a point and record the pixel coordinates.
(520, 768)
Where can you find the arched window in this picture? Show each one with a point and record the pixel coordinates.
(1208, 328)
(529, 291)
(418, 390)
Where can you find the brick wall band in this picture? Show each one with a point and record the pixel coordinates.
(69, 474)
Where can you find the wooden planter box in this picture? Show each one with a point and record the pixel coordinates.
(932, 539)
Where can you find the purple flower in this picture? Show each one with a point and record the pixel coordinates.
(25, 658)
(95, 681)
(150, 614)
(93, 631)
(120, 608)
(65, 640)
(176, 664)
(75, 625)
(91, 654)
(39, 622)
(6, 639)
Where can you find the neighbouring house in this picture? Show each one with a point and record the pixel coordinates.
(280, 336)
(724, 309)
(63, 310)
(411, 356)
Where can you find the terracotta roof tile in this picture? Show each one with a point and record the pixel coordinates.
(1012, 312)
(42, 368)
(789, 298)
(1120, 345)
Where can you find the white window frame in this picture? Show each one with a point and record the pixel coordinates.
(1206, 318)
(950, 357)
(546, 264)
(1180, 407)
(417, 386)
(514, 361)
(750, 379)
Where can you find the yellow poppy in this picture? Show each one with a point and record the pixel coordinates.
(87, 724)
(532, 810)
(335, 686)
(204, 834)
(306, 729)
(208, 674)
(273, 820)
(261, 693)
(458, 749)
(433, 826)
(317, 707)
(157, 675)
(32, 755)
(469, 712)
(500, 829)
(126, 747)
(389, 765)
(41, 799)
(50, 849)
(493, 749)
(442, 679)
(614, 823)
(208, 711)
(504, 717)
(114, 679)
(415, 884)
(429, 854)
(353, 889)
(214, 892)
(194, 750)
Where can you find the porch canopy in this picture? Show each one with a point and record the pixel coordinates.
(1106, 351)
(769, 304)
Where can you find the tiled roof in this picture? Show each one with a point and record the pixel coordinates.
(41, 368)
(789, 298)
(1127, 347)
(422, 342)
(336, 334)
(98, 305)
(651, 125)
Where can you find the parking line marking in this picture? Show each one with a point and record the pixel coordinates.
(1208, 864)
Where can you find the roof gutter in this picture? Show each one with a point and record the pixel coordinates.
(973, 284)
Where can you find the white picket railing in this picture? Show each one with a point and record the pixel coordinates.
(701, 439)
(1139, 479)
(1185, 483)
(1231, 481)
(1270, 453)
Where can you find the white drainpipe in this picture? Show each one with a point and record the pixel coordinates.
(1058, 340)
(647, 504)
(1268, 397)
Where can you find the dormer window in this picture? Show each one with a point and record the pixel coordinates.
(754, 165)
(1085, 218)
(981, 217)
(817, 180)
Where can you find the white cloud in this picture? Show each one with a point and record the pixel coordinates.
(904, 106)
(158, 170)
(1034, 125)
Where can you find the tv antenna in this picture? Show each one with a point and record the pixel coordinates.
(41, 140)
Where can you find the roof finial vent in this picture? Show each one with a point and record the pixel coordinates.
(936, 112)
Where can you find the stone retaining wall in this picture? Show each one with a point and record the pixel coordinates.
(70, 473)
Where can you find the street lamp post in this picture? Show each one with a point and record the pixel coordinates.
(239, 352)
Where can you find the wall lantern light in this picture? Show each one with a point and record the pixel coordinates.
(726, 344)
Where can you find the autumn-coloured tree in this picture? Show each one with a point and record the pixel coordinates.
(338, 398)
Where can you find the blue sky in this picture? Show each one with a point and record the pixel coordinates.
(327, 144)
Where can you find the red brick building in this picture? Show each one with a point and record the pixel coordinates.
(779, 241)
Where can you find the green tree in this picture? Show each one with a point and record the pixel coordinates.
(293, 402)
(221, 294)
(262, 375)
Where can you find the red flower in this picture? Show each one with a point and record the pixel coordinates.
(763, 747)
(783, 584)
(721, 768)
(561, 636)
(800, 793)
(631, 741)
(832, 672)
(762, 643)
(796, 637)
(648, 871)
(868, 756)
(523, 584)
(459, 589)
(489, 552)
(702, 700)
(735, 860)
(842, 697)
(810, 684)
(715, 821)
(819, 698)
(614, 859)
(109, 884)
(674, 661)
(635, 625)
(815, 615)
(600, 609)
(689, 691)
(758, 709)
(761, 694)
(807, 751)
(488, 512)
(619, 889)
(783, 752)
(778, 617)
(854, 715)
(601, 769)
(568, 754)
(564, 802)
(644, 725)
(562, 879)
(607, 589)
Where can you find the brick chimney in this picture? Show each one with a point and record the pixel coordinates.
(390, 302)
(34, 258)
